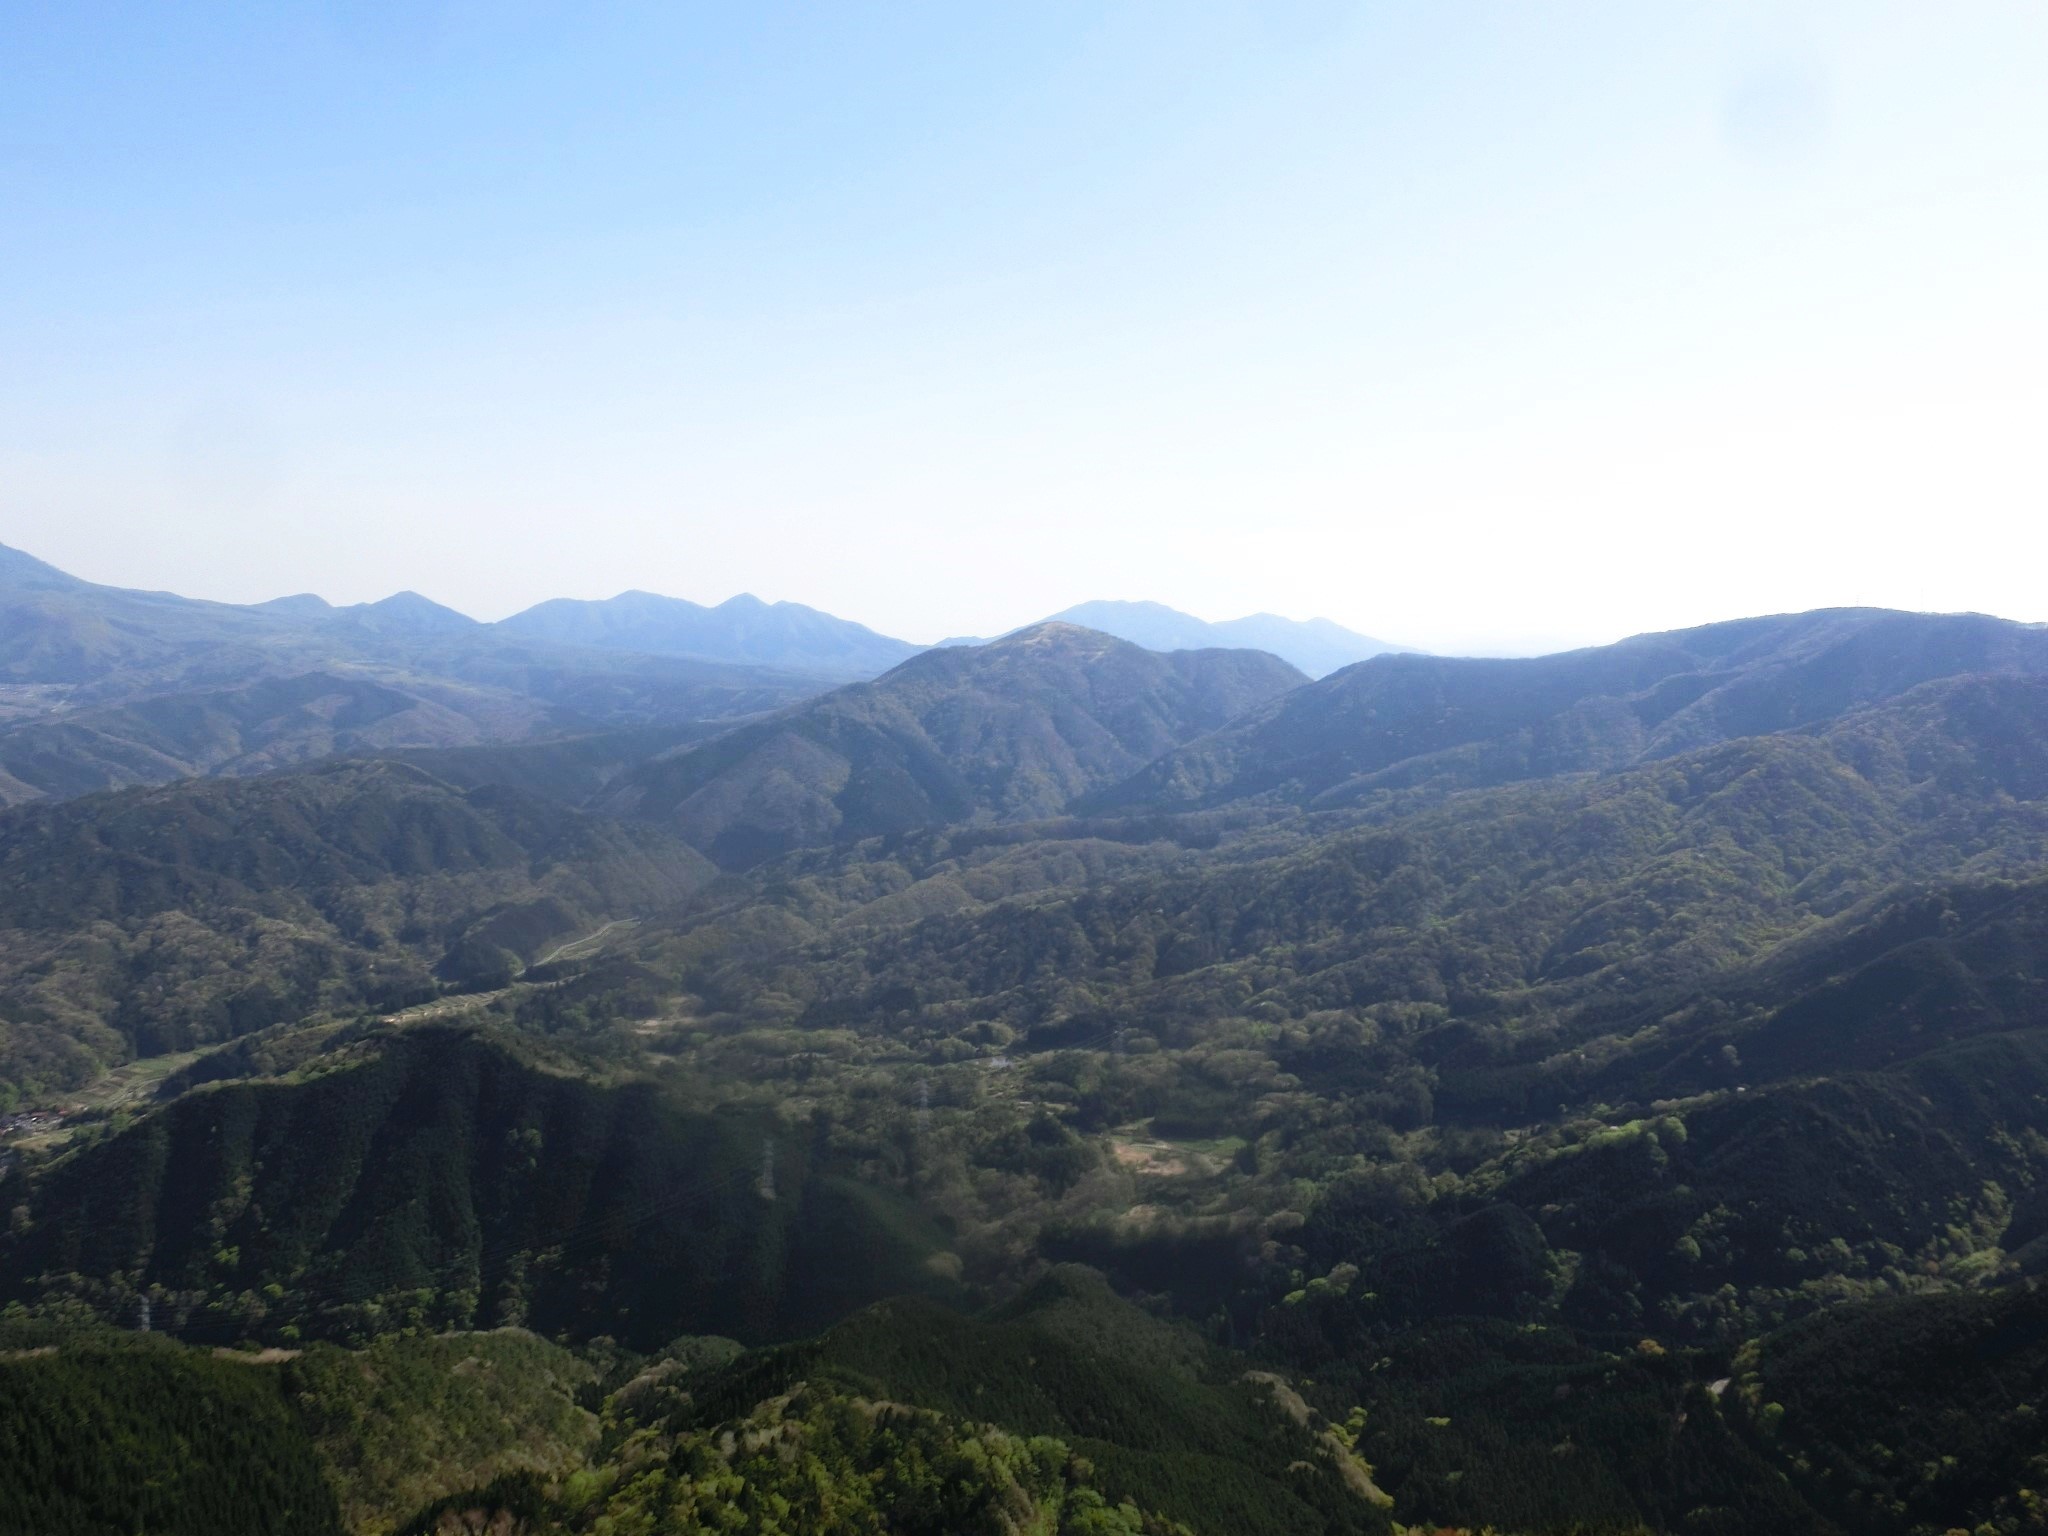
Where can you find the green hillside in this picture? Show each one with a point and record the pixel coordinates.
(434, 1177)
(271, 724)
(1003, 732)
(1401, 720)
(103, 1437)
(1915, 1415)
(412, 1419)
(1164, 1423)
(243, 903)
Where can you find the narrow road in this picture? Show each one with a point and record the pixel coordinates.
(575, 949)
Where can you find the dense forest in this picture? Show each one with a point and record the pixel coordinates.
(1065, 1088)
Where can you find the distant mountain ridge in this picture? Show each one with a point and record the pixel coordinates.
(1316, 647)
(105, 687)
(742, 629)
(56, 629)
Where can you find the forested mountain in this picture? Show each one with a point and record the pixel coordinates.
(269, 724)
(494, 696)
(161, 920)
(108, 1436)
(1165, 1423)
(1094, 1090)
(1002, 732)
(1527, 902)
(1065, 1411)
(1396, 721)
(572, 770)
(433, 1177)
(740, 629)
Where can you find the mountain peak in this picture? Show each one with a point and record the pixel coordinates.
(1009, 731)
(408, 613)
(299, 605)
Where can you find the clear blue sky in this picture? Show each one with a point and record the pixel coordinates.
(1475, 326)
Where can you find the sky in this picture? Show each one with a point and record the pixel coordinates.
(1475, 327)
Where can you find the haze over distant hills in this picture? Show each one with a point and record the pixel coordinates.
(58, 629)
(1317, 647)
(741, 629)
(105, 687)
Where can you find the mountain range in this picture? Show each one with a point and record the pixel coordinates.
(741, 629)
(1401, 720)
(526, 1084)
(102, 687)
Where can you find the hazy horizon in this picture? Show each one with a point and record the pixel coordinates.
(1476, 331)
(991, 633)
